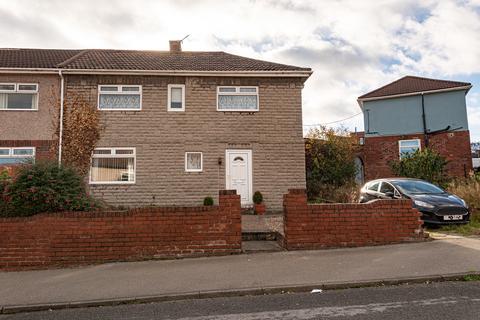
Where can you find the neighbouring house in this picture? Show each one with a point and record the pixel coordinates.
(476, 156)
(178, 126)
(412, 113)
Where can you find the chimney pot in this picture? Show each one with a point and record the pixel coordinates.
(175, 46)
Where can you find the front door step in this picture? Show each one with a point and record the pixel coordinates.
(260, 246)
(259, 236)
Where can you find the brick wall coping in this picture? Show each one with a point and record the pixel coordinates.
(379, 203)
(114, 213)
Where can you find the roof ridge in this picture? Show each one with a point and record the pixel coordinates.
(433, 79)
(72, 58)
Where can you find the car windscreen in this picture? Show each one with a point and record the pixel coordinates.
(417, 187)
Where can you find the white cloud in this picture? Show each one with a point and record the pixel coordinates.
(353, 46)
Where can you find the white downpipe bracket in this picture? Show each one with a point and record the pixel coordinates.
(60, 125)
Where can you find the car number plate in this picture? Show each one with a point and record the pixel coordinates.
(453, 217)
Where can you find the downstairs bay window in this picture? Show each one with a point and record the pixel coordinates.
(113, 166)
(9, 156)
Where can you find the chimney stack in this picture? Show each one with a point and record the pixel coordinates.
(175, 46)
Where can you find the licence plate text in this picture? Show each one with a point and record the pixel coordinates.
(453, 217)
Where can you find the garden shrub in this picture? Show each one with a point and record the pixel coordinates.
(423, 164)
(330, 165)
(5, 180)
(45, 187)
(257, 197)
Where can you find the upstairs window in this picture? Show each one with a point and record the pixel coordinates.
(113, 166)
(18, 96)
(124, 97)
(237, 99)
(16, 155)
(176, 97)
(407, 147)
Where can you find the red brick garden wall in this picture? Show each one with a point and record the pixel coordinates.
(315, 226)
(379, 152)
(69, 239)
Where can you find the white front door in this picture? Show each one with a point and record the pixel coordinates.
(239, 173)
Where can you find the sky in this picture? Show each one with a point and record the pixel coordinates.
(352, 46)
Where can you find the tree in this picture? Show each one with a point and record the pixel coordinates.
(330, 165)
(423, 164)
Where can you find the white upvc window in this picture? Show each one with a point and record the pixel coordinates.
(406, 147)
(120, 97)
(16, 155)
(19, 96)
(231, 98)
(113, 166)
(176, 97)
(193, 161)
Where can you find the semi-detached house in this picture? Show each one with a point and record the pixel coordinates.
(413, 113)
(178, 126)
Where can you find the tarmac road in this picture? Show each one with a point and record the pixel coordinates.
(439, 301)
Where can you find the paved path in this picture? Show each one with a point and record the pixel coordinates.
(265, 270)
(436, 301)
(265, 223)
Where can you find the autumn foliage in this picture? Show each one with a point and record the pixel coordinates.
(81, 131)
(330, 165)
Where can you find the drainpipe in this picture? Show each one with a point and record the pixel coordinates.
(368, 120)
(60, 133)
(424, 120)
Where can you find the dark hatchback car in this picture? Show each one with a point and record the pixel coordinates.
(436, 205)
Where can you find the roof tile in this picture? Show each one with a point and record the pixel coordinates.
(411, 84)
(96, 59)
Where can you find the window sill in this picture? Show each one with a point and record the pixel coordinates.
(238, 111)
(102, 110)
(18, 110)
(112, 183)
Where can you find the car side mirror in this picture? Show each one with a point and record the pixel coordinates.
(389, 194)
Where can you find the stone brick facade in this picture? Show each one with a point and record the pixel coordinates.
(378, 152)
(316, 226)
(71, 239)
(161, 138)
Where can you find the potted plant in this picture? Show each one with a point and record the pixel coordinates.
(258, 205)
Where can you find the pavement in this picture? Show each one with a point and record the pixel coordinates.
(259, 273)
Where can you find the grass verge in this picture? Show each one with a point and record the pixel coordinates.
(472, 277)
